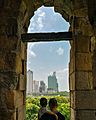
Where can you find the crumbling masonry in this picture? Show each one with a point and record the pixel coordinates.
(14, 20)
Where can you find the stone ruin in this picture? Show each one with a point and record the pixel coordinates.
(14, 20)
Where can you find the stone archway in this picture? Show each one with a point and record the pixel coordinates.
(15, 20)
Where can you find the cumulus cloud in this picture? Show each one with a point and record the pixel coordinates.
(30, 51)
(60, 51)
(36, 22)
(46, 20)
(30, 54)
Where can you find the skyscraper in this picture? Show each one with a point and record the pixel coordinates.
(29, 82)
(35, 86)
(52, 83)
(42, 87)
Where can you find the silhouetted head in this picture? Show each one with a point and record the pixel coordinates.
(53, 103)
(43, 102)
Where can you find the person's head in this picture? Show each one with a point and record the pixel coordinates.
(53, 104)
(43, 102)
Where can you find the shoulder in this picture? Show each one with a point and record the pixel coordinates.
(60, 116)
(48, 116)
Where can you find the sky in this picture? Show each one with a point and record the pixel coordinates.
(45, 58)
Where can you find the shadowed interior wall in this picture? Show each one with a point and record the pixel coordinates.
(15, 17)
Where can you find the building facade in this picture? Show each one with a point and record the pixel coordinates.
(29, 82)
(35, 86)
(52, 83)
(42, 88)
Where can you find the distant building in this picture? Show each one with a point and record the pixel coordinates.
(35, 86)
(42, 88)
(52, 83)
(29, 82)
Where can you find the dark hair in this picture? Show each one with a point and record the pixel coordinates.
(43, 102)
(53, 102)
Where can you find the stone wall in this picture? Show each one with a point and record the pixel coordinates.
(12, 60)
(15, 18)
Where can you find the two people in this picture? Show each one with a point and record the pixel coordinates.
(53, 114)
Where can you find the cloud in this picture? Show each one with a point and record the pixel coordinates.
(31, 45)
(32, 54)
(60, 51)
(46, 20)
(30, 50)
(36, 22)
(42, 14)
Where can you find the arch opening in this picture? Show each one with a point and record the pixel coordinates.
(45, 58)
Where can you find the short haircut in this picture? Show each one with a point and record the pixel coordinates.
(53, 102)
(43, 102)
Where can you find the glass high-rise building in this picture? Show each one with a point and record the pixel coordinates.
(52, 83)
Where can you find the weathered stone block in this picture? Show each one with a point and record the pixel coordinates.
(59, 3)
(72, 50)
(86, 115)
(21, 111)
(6, 104)
(94, 69)
(22, 82)
(9, 80)
(71, 66)
(72, 99)
(72, 81)
(2, 59)
(83, 61)
(93, 43)
(84, 80)
(11, 43)
(78, 4)
(85, 100)
(23, 50)
(18, 98)
(72, 114)
(82, 43)
(18, 64)
(10, 99)
(48, 2)
(10, 61)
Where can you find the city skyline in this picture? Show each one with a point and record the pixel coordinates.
(45, 58)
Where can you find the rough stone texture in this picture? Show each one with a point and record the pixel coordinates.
(72, 65)
(72, 99)
(83, 114)
(86, 115)
(83, 100)
(14, 20)
(72, 81)
(72, 114)
(84, 80)
(83, 62)
(81, 81)
(85, 47)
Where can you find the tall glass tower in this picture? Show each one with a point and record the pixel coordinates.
(52, 83)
